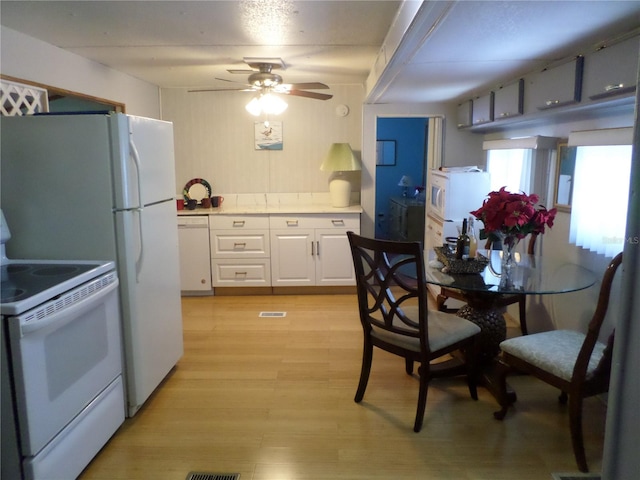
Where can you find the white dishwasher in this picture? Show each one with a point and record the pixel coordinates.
(195, 260)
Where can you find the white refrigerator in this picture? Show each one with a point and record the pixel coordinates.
(102, 187)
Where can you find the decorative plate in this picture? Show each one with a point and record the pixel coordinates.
(196, 189)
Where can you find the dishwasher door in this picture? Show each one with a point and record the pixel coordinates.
(195, 260)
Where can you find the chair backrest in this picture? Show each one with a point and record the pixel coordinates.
(602, 371)
(531, 246)
(391, 286)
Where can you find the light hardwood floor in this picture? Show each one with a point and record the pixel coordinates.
(272, 399)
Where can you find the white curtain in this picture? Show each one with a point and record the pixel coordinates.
(600, 198)
(510, 168)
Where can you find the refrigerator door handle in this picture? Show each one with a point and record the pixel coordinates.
(136, 161)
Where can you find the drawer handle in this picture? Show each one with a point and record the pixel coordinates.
(238, 223)
(609, 88)
(292, 223)
(241, 273)
(338, 223)
(239, 244)
(505, 114)
(548, 103)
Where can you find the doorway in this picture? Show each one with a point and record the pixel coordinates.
(401, 166)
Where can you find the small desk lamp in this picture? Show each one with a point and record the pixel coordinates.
(405, 182)
(340, 159)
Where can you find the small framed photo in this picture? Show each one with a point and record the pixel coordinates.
(386, 152)
(565, 169)
(268, 135)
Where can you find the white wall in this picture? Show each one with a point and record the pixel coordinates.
(29, 59)
(214, 140)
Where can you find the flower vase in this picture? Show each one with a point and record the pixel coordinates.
(508, 261)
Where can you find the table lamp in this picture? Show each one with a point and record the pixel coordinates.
(340, 159)
(405, 182)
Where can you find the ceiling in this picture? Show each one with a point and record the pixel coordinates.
(454, 49)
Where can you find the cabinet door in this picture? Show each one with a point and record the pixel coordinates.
(464, 114)
(555, 87)
(334, 265)
(612, 70)
(292, 257)
(483, 109)
(509, 101)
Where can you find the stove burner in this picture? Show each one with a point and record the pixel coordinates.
(54, 270)
(11, 294)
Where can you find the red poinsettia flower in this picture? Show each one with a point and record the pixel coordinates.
(514, 214)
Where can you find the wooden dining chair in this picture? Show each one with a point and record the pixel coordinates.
(576, 363)
(502, 301)
(392, 302)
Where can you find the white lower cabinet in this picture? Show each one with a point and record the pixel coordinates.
(312, 249)
(240, 250)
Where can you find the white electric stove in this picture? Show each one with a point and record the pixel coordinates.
(62, 384)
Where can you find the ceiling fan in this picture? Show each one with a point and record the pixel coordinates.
(262, 80)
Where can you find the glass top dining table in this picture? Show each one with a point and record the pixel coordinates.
(530, 275)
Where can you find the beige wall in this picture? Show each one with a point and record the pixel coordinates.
(214, 140)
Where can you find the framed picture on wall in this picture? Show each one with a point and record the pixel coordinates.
(565, 168)
(386, 152)
(268, 135)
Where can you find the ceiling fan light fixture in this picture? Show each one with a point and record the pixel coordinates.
(266, 103)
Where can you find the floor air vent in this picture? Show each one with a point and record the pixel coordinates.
(273, 314)
(212, 476)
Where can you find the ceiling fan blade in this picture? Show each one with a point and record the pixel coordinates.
(231, 81)
(241, 71)
(221, 90)
(307, 86)
(302, 93)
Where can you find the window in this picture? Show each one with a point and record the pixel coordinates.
(600, 198)
(510, 168)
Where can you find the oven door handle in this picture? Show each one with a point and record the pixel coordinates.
(67, 314)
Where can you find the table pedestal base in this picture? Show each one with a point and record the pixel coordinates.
(493, 331)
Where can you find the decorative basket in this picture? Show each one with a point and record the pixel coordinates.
(454, 265)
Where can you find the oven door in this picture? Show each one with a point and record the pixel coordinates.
(64, 354)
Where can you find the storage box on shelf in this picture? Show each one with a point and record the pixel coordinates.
(312, 249)
(240, 250)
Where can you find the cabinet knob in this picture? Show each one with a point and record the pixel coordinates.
(610, 88)
(548, 103)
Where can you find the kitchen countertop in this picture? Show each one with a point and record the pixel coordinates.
(298, 203)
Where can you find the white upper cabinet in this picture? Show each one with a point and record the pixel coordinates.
(483, 109)
(554, 86)
(611, 70)
(464, 114)
(509, 100)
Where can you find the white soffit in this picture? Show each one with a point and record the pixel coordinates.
(607, 136)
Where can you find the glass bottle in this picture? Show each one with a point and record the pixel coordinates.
(473, 240)
(463, 243)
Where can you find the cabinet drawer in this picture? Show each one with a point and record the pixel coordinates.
(612, 70)
(229, 272)
(238, 222)
(321, 220)
(244, 244)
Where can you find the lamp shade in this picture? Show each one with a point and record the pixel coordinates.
(405, 181)
(340, 159)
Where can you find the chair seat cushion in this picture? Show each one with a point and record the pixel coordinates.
(444, 329)
(555, 351)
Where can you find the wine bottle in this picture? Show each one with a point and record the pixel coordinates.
(463, 243)
(473, 240)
